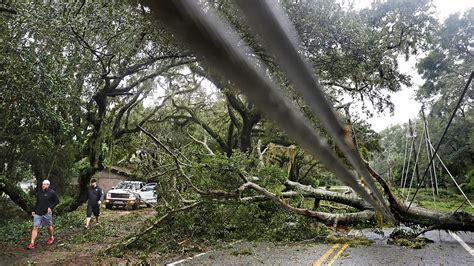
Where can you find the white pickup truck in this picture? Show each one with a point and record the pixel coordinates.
(131, 194)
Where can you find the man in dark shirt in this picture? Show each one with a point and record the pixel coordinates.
(46, 200)
(94, 197)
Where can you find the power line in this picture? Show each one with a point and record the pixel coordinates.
(416, 163)
(442, 136)
(280, 41)
(462, 204)
(404, 158)
(450, 175)
(428, 139)
(409, 156)
(219, 44)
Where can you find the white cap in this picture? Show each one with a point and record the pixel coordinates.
(46, 181)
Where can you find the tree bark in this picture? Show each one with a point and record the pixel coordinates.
(321, 194)
(323, 217)
(83, 183)
(245, 138)
(457, 221)
(16, 194)
(250, 116)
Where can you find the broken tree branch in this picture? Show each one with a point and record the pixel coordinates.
(323, 217)
(322, 194)
(203, 143)
(459, 221)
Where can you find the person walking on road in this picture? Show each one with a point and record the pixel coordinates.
(46, 200)
(94, 197)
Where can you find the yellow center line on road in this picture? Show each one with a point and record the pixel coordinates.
(326, 255)
(338, 254)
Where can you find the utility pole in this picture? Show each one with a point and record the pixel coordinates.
(413, 134)
(430, 152)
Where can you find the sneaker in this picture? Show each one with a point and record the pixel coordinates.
(30, 246)
(86, 227)
(50, 241)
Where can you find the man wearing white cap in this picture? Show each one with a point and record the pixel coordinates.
(46, 200)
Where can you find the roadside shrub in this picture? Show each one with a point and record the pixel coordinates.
(17, 229)
(469, 187)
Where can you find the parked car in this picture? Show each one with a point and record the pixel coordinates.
(129, 194)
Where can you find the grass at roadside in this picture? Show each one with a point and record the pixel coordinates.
(446, 201)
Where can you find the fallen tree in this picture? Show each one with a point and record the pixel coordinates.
(191, 206)
(364, 212)
(429, 219)
(455, 221)
(204, 34)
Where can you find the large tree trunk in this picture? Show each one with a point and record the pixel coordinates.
(83, 183)
(250, 116)
(9, 187)
(245, 138)
(457, 221)
(323, 217)
(321, 194)
(16, 194)
(93, 153)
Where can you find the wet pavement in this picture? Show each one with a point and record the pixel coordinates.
(445, 250)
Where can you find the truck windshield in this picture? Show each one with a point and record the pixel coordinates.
(125, 185)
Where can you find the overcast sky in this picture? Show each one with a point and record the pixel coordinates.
(405, 106)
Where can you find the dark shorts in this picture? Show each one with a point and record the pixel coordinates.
(93, 209)
(44, 220)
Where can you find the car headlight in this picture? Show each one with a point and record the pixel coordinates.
(132, 197)
(108, 196)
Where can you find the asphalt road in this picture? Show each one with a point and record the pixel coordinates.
(445, 250)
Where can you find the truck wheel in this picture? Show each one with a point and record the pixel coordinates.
(136, 205)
